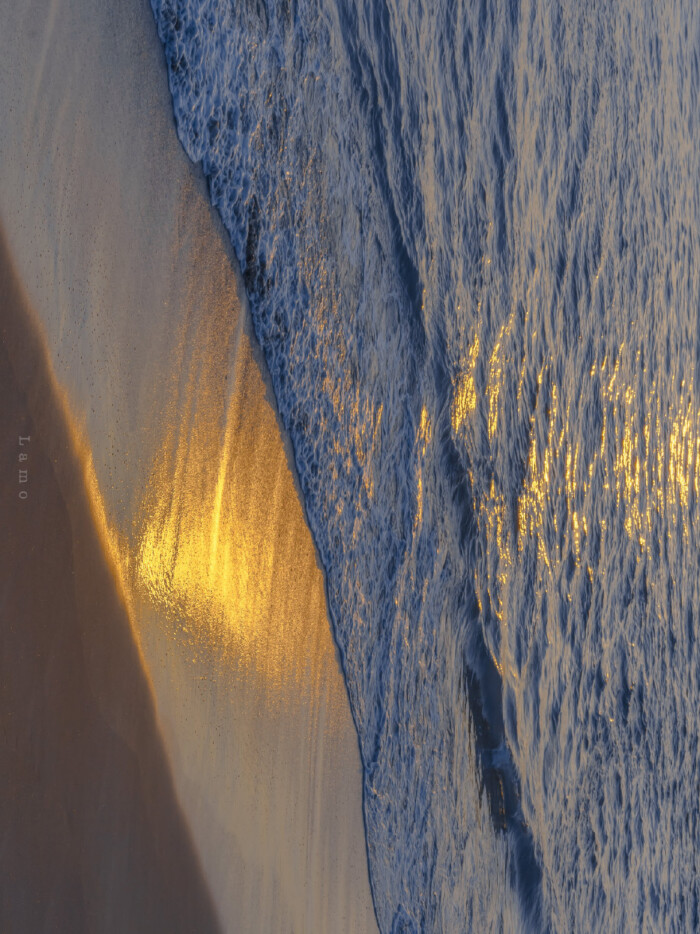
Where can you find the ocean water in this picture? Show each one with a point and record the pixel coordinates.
(469, 236)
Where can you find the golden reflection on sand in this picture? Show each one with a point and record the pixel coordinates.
(214, 558)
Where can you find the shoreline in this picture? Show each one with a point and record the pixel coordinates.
(135, 287)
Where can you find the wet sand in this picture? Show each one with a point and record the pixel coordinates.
(146, 328)
(93, 838)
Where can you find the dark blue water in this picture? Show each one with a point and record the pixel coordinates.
(469, 236)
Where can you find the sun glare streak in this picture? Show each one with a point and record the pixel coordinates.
(211, 553)
(643, 471)
(464, 401)
(647, 460)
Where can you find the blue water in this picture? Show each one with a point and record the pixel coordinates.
(469, 235)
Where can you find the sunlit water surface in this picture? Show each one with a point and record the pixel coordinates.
(469, 237)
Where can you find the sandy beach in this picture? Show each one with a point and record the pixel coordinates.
(246, 762)
(88, 803)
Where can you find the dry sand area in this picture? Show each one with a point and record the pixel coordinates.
(176, 737)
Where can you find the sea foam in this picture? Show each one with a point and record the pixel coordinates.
(468, 233)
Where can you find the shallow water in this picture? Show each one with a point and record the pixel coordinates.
(469, 238)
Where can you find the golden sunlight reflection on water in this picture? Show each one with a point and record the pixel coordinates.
(647, 459)
(645, 463)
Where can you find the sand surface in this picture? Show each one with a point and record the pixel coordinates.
(139, 305)
(93, 838)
